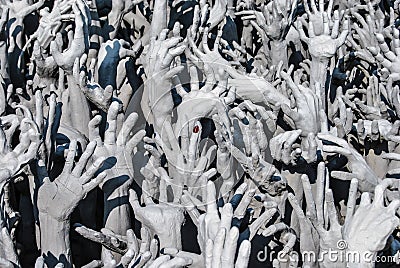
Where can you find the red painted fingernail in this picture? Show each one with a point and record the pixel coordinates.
(196, 129)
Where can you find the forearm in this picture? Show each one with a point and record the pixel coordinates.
(159, 12)
(117, 211)
(54, 240)
(278, 52)
(318, 74)
(160, 102)
(3, 60)
(78, 107)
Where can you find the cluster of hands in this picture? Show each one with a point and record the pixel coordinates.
(185, 133)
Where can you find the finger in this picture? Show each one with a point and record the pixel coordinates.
(382, 60)
(209, 253)
(127, 258)
(39, 119)
(159, 261)
(320, 192)
(240, 211)
(226, 216)
(147, 196)
(289, 112)
(93, 264)
(394, 171)
(273, 229)
(330, 205)
(237, 197)
(69, 161)
(336, 150)
(293, 259)
(391, 156)
(365, 199)
(132, 241)
(296, 207)
(191, 209)
(343, 35)
(228, 254)
(385, 48)
(218, 248)
(126, 129)
(333, 139)
(288, 146)
(380, 192)
(311, 32)
(295, 89)
(351, 201)
(164, 180)
(134, 201)
(360, 129)
(375, 130)
(144, 232)
(326, 23)
(243, 255)
(336, 25)
(94, 183)
(171, 54)
(261, 221)
(144, 259)
(394, 206)
(276, 264)
(177, 262)
(341, 175)
(39, 262)
(311, 210)
(110, 135)
(135, 140)
(94, 134)
(171, 137)
(313, 6)
(154, 248)
(306, 7)
(3, 142)
(323, 121)
(194, 141)
(91, 171)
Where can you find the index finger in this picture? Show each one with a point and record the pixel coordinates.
(110, 135)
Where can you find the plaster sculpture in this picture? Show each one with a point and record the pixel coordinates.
(197, 133)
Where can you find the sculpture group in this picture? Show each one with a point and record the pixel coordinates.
(185, 133)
